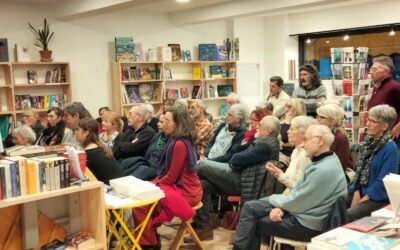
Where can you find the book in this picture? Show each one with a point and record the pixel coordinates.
(325, 70)
(175, 51)
(196, 92)
(348, 87)
(207, 52)
(366, 224)
(186, 56)
(24, 150)
(164, 54)
(224, 109)
(139, 52)
(336, 55)
(133, 93)
(168, 73)
(172, 94)
(224, 90)
(392, 185)
(348, 55)
(22, 53)
(347, 71)
(337, 71)
(212, 91)
(4, 50)
(124, 49)
(146, 91)
(386, 212)
(215, 71)
(184, 92)
(232, 72)
(362, 55)
(288, 88)
(196, 72)
(222, 53)
(157, 93)
(32, 76)
(136, 188)
(152, 55)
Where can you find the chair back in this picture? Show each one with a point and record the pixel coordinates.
(337, 215)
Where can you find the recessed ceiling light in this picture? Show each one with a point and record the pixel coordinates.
(308, 40)
(392, 33)
(346, 37)
(182, 1)
(327, 41)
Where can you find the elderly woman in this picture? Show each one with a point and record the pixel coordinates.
(112, 126)
(55, 130)
(228, 135)
(23, 136)
(378, 157)
(331, 115)
(255, 118)
(299, 160)
(176, 176)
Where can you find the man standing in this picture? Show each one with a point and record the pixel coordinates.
(197, 110)
(299, 214)
(386, 90)
(310, 89)
(277, 96)
(136, 139)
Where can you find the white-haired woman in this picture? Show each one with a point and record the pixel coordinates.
(377, 158)
(332, 116)
(299, 160)
(23, 135)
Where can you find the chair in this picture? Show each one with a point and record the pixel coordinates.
(278, 241)
(184, 228)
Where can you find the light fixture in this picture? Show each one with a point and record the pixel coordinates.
(346, 37)
(327, 41)
(308, 40)
(392, 32)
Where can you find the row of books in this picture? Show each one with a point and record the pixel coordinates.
(144, 92)
(218, 71)
(349, 55)
(214, 90)
(22, 176)
(140, 73)
(39, 102)
(350, 71)
(57, 75)
(351, 87)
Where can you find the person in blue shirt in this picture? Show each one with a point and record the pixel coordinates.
(377, 158)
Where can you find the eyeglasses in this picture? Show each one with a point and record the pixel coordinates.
(373, 121)
(321, 117)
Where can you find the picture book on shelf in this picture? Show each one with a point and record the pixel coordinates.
(336, 55)
(172, 94)
(196, 72)
(362, 55)
(184, 92)
(152, 55)
(157, 93)
(146, 91)
(186, 56)
(347, 71)
(139, 57)
(196, 93)
(348, 54)
(216, 71)
(23, 53)
(212, 91)
(338, 87)
(165, 54)
(133, 93)
(222, 53)
(3, 50)
(32, 76)
(175, 51)
(337, 71)
(224, 90)
(124, 49)
(207, 52)
(348, 87)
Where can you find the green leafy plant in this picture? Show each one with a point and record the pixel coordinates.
(42, 36)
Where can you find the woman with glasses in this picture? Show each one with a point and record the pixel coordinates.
(332, 116)
(377, 158)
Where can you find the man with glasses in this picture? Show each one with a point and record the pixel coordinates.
(277, 96)
(299, 214)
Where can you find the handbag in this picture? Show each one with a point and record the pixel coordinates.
(230, 220)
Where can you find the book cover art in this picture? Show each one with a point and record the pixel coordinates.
(348, 87)
(175, 51)
(157, 93)
(139, 57)
(222, 53)
(4, 50)
(336, 55)
(26, 102)
(165, 54)
(337, 88)
(196, 73)
(23, 53)
(184, 92)
(186, 56)
(347, 71)
(172, 94)
(216, 71)
(370, 242)
(362, 55)
(207, 52)
(212, 91)
(152, 55)
(224, 90)
(124, 49)
(145, 91)
(337, 71)
(133, 93)
(195, 92)
(32, 76)
(348, 54)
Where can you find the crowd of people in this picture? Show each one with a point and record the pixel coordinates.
(298, 142)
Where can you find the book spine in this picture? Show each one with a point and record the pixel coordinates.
(22, 176)
(3, 182)
(31, 174)
(62, 175)
(15, 190)
(8, 181)
(67, 173)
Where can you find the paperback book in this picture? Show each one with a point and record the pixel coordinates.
(366, 224)
(175, 51)
(3, 50)
(207, 52)
(124, 49)
(224, 90)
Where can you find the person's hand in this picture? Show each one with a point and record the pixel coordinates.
(356, 198)
(202, 157)
(274, 170)
(276, 214)
(395, 131)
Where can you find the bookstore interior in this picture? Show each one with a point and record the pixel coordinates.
(192, 89)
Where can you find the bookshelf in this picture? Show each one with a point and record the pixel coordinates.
(35, 85)
(79, 207)
(352, 87)
(208, 80)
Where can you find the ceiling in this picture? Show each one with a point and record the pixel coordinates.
(194, 11)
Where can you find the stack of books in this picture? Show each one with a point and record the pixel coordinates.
(136, 188)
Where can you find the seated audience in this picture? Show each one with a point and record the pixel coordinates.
(204, 127)
(255, 118)
(54, 133)
(176, 176)
(152, 121)
(243, 175)
(73, 112)
(298, 159)
(331, 115)
(136, 139)
(99, 158)
(23, 136)
(112, 126)
(266, 105)
(232, 98)
(145, 168)
(102, 111)
(29, 118)
(228, 135)
(377, 158)
(299, 214)
(166, 105)
(294, 107)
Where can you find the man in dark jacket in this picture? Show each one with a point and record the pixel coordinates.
(136, 139)
(225, 178)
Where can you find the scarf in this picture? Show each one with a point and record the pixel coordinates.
(167, 157)
(367, 151)
(52, 135)
(248, 135)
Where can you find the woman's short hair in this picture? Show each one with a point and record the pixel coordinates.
(260, 113)
(241, 114)
(31, 112)
(333, 112)
(26, 133)
(298, 106)
(115, 119)
(302, 123)
(185, 127)
(57, 111)
(384, 113)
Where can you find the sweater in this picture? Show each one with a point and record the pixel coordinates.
(341, 147)
(311, 199)
(103, 167)
(295, 171)
(383, 163)
(310, 97)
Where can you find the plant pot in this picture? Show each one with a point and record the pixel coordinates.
(45, 56)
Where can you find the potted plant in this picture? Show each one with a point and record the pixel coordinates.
(42, 39)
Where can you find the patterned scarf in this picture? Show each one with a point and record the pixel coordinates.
(367, 151)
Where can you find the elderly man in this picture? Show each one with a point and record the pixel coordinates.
(310, 89)
(277, 96)
(136, 139)
(73, 113)
(240, 176)
(232, 98)
(299, 214)
(204, 127)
